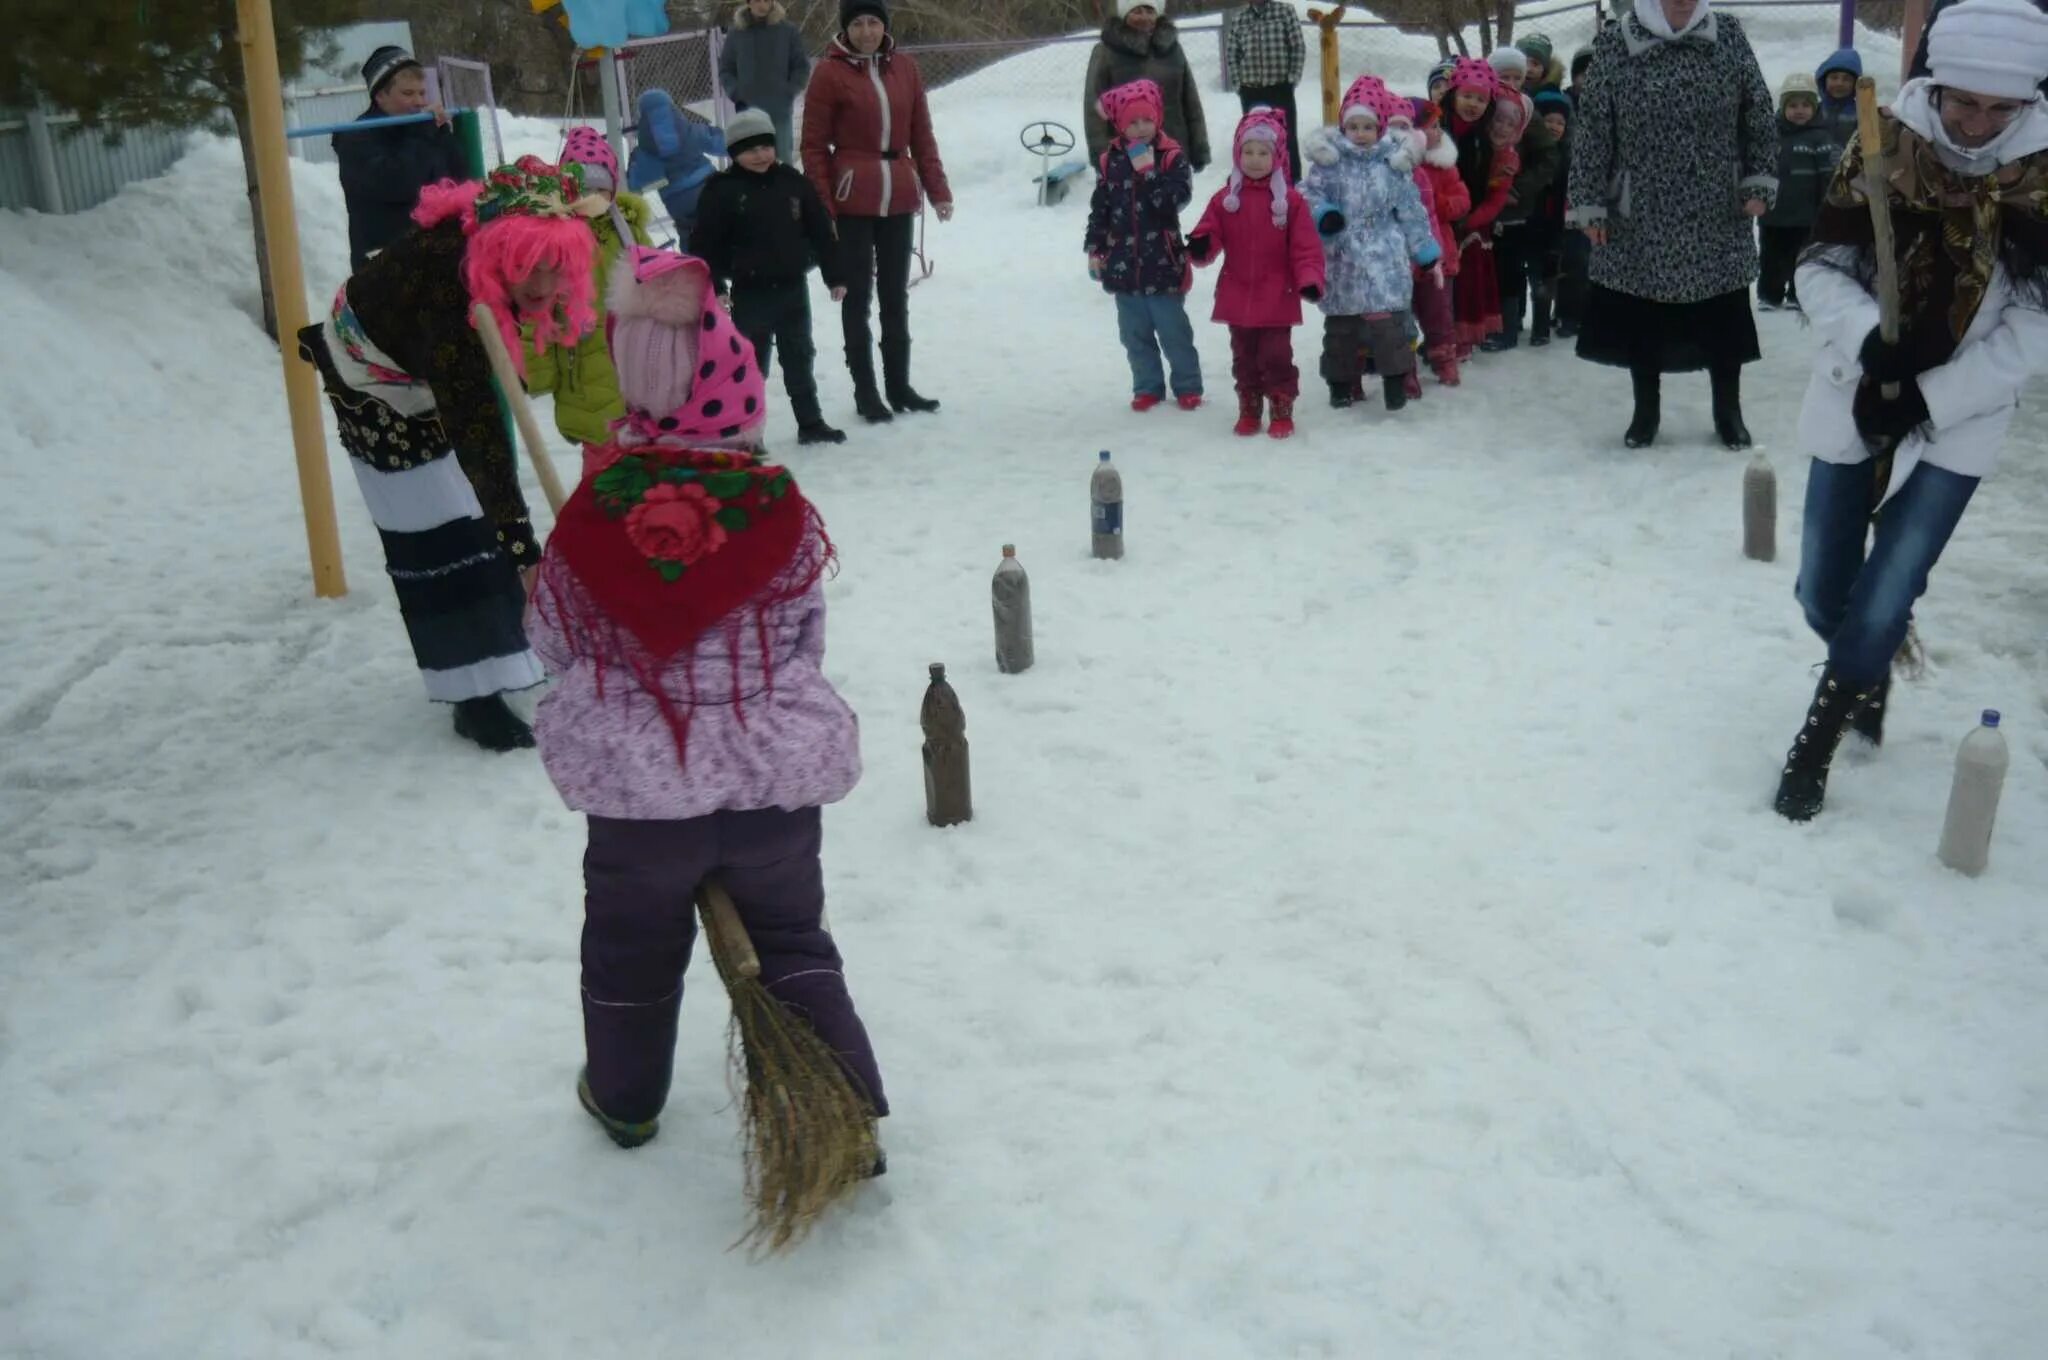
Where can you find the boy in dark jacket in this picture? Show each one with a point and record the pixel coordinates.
(1548, 237)
(1807, 155)
(384, 169)
(760, 227)
(1135, 248)
(1837, 78)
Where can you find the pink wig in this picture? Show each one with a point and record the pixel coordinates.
(507, 250)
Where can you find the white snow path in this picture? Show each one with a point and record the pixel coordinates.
(1374, 939)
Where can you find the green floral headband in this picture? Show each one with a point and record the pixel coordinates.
(531, 187)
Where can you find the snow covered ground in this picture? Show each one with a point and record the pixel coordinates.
(1374, 939)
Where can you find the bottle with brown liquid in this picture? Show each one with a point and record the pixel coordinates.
(1760, 511)
(948, 793)
(1010, 594)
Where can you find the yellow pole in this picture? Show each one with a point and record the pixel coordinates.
(288, 286)
(1326, 25)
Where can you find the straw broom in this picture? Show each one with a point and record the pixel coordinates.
(808, 1131)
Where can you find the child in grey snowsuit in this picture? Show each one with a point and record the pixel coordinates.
(1807, 154)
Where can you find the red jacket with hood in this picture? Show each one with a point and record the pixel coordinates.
(867, 143)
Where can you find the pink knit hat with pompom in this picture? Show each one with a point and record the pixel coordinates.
(1370, 94)
(1269, 126)
(1138, 99)
(1471, 73)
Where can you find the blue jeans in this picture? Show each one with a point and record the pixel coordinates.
(1149, 324)
(1861, 605)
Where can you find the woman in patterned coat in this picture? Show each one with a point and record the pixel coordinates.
(1675, 154)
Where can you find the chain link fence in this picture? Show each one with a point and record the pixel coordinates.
(466, 84)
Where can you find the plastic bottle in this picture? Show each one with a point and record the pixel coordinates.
(948, 793)
(1106, 494)
(1973, 798)
(1010, 594)
(1760, 510)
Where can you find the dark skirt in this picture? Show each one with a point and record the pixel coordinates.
(1672, 337)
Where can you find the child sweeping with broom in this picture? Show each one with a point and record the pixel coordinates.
(680, 606)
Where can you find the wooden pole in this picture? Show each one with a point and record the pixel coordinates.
(1877, 188)
(486, 326)
(1333, 76)
(263, 89)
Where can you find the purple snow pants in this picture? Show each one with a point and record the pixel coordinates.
(640, 880)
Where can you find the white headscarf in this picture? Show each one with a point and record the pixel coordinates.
(1650, 14)
(2024, 136)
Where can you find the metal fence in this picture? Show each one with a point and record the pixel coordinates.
(50, 163)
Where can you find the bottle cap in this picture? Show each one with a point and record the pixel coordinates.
(1009, 550)
(1105, 455)
(938, 670)
(1991, 717)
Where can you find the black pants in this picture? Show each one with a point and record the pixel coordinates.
(1517, 254)
(1348, 339)
(1573, 280)
(780, 314)
(1279, 97)
(875, 253)
(1781, 247)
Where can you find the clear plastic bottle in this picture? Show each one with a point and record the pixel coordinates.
(1106, 495)
(1760, 510)
(1010, 594)
(1973, 798)
(948, 792)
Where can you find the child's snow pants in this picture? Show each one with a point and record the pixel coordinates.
(640, 880)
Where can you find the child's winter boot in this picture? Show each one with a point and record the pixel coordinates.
(1145, 401)
(1189, 401)
(1443, 361)
(1340, 395)
(1283, 418)
(1412, 384)
(618, 1130)
(1251, 409)
(1396, 390)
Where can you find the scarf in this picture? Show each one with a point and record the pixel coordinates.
(669, 542)
(1650, 14)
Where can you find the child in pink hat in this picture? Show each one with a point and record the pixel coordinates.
(1260, 227)
(1135, 248)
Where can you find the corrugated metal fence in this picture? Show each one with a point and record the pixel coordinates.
(61, 167)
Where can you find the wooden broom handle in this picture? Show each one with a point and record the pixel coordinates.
(486, 324)
(722, 924)
(1877, 188)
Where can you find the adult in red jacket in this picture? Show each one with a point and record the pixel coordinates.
(868, 149)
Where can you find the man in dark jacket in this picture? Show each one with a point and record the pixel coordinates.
(384, 169)
(763, 67)
(760, 227)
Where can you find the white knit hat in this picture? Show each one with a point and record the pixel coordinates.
(1505, 59)
(1990, 47)
(1124, 7)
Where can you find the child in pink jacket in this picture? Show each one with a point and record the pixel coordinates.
(1259, 225)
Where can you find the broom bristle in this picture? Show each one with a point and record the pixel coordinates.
(807, 1130)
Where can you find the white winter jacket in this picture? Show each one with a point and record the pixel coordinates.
(1970, 399)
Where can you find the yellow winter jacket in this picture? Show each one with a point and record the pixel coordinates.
(580, 375)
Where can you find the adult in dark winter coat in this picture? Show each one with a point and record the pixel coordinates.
(764, 67)
(1674, 156)
(384, 169)
(1265, 53)
(869, 151)
(1806, 162)
(1143, 44)
(761, 227)
(1837, 78)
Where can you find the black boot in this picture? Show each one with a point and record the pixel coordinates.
(1539, 322)
(1649, 387)
(1869, 719)
(491, 724)
(1803, 784)
(867, 398)
(810, 420)
(1340, 395)
(896, 379)
(818, 432)
(1728, 408)
(1396, 390)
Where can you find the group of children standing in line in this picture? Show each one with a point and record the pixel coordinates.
(1435, 224)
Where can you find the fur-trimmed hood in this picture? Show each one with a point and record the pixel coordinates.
(1163, 38)
(744, 17)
